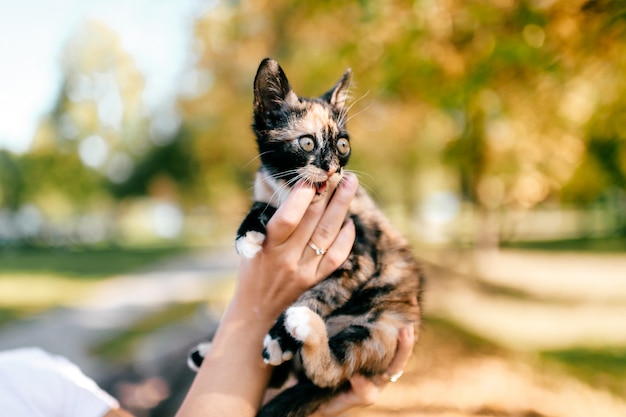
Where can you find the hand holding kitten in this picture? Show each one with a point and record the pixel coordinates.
(287, 266)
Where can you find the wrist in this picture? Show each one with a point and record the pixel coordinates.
(249, 314)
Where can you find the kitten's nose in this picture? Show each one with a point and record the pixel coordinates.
(331, 171)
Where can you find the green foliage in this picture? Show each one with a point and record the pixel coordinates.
(58, 172)
(175, 160)
(11, 181)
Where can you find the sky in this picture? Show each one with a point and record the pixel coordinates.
(157, 33)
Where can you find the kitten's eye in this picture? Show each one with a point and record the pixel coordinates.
(343, 146)
(307, 143)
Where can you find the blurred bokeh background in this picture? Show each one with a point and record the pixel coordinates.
(491, 132)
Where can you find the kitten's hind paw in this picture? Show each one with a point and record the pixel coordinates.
(304, 325)
(195, 358)
(297, 322)
(249, 244)
(273, 353)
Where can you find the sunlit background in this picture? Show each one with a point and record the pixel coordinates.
(491, 132)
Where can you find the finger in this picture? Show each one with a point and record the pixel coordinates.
(324, 233)
(290, 213)
(363, 392)
(310, 219)
(338, 251)
(406, 340)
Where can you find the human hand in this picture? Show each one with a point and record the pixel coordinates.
(288, 265)
(364, 391)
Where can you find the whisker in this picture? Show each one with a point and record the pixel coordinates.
(255, 158)
(356, 101)
(281, 175)
(344, 114)
(284, 188)
(352, 116)
(360, 173)
(368, 187)
(269, 176)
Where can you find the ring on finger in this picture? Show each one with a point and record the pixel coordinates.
(318, 251)
(392, 377)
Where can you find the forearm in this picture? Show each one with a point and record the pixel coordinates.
(233, 376)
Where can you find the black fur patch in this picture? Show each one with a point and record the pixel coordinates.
(257, 219)
(342, 341)
(362, 301)
(196, 358)
(300, 400)
(367, 238)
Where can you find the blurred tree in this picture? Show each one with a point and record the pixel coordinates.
(174, 160)
(508, 104)
(453, 80)
(99, 142)
(598, 103)
(11, 182)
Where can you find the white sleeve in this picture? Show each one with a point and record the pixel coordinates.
(34, 383)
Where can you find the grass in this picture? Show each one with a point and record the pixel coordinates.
(612, 244)
(35, 279)
(600, 368)
(8, 314)
(81, 263)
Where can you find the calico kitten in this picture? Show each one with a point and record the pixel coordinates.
(348, 323)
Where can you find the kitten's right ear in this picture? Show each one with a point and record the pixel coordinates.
(271, 88)
(338, 95)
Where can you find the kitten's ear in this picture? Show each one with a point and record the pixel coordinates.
(339, 93)
(271, 88)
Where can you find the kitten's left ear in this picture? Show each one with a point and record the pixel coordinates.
(339, 93)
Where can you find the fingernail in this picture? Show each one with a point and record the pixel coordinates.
(349, 181)
(408, 332)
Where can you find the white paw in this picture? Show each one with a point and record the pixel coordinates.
(272, 353)
(250, 244)
(297, 322)
(202, 349)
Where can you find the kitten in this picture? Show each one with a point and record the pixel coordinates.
(348, 323)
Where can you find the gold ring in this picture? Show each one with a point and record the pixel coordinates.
(318, 251)
(392, 378)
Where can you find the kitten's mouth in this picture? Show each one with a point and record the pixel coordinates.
(320, 187)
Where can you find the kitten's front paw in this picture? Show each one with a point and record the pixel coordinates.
(250, 244)
(273, 353)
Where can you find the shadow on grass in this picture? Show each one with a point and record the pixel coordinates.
(119, 348)
(450, 333)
